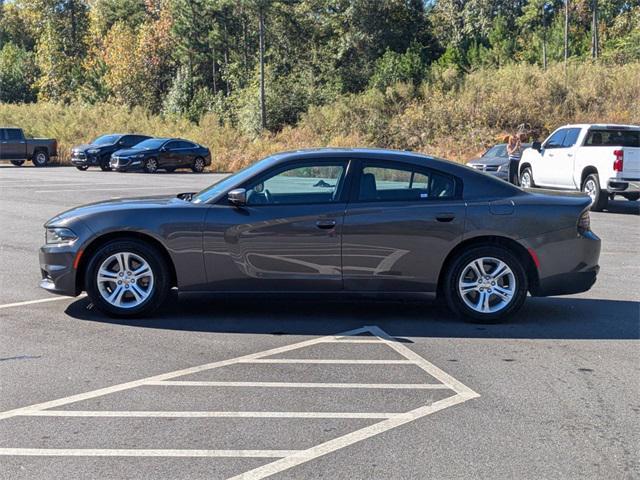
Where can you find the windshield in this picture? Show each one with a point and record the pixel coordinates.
(496, 151)
(151, 143)
(106, 140)
(223, 185)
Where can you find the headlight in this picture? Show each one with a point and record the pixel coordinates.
(58, 236)
(92, 151)
(503, 168)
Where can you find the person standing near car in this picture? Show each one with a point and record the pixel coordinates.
(514, 150)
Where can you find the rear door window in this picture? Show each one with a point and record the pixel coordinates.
(13, 134)
(613, 138)
(390, 181)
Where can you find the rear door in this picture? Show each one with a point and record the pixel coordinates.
(400, 225)
(13, 144)
(288, 235)
(185, 154)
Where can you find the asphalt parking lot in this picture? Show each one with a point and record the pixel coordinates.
(290, 388)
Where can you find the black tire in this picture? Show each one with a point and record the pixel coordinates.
(198, 165)
(40, 158)
(82, 168)
(150, 165)
(601, 198)
(457, 269)
(632, 197)
(523, 178)
(170, 169)
(158, 266)
(105, 167)
(17, 163)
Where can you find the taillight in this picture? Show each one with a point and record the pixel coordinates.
(584, 222)
(618, 163)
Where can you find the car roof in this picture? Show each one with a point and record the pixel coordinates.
(600, 125)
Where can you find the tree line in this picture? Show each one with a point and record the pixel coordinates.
(260, 64)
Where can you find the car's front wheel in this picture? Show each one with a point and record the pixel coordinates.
(486, 284)
(526, 178)
(126, 278)
(150, 165)
(82, 168)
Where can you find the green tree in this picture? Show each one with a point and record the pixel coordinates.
(18, 72)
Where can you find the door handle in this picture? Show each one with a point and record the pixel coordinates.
(326, 224)
(445, 217)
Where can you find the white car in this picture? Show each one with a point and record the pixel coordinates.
(600, 160)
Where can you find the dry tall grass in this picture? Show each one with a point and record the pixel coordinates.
(450, 116)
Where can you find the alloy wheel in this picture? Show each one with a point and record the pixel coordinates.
(41, 158)
(198, 165)
(151, 166)
(125, 280)
(591, 189)
(525, 181)
(487, 285)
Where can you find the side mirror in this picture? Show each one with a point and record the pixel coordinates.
(536, 146)
(163, 149)
(237, 197)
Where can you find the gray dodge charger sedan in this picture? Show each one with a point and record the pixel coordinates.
(330, 220)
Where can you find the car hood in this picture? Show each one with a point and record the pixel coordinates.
(127, 152)
(110, 206)
(83, 148)
(490, 160)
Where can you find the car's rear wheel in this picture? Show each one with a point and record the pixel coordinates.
(526, 178)
(486, 284)
(151, 165)
(82, 168)
(198, 165)
(40, 158)
(126, 278)
(17, 163)
(599, 198)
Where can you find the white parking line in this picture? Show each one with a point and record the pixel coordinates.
(391, 386)
(166, 376)
(122, 452)
(41, 300)
(321, 361)
(286, 458)
(180, 414)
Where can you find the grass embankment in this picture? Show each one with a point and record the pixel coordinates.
(449, 115)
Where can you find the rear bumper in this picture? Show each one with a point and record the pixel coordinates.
(568, 262)
(626, 185)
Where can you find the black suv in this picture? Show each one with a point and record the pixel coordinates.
(98, 153)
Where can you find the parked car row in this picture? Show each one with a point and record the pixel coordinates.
(121, 152)
(127, 152)
(600, 160)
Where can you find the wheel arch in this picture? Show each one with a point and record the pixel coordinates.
(586, 171)
(492, 240)
(523, 166)
(96, 243)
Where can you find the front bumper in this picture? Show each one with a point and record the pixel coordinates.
(626, 185)
(125, 164)
(85, 160)
(56, 267)
(568, 262)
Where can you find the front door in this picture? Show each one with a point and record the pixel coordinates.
(401, 225)
(555, 166)
(13, 144)
(288, 235)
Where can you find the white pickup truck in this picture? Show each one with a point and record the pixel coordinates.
(600, 160)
